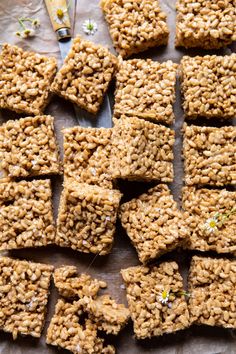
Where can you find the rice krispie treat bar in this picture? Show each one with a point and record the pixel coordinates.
(26, 216)
(210, 155)
(212, 286)
(146, 89)
(212, 219)
(85, 75)
(156, 299)
(209, 86)
(154, 223)
(28, 147)
(142, 150)
(87, 155)
(87, 217)
(135, 25)
(25, 79)
(24, 295)
(205, 24)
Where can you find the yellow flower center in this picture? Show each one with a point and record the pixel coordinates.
(212, 224)
(164, 294)
(60, 13)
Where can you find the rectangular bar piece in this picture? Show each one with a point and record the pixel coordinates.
(154, 223)
(85, 75)
(142, 150)
(210, 155)
(209, 86)
(24, 295)
(25, 80)
(28, 147)
(212, 286)
(205, 24)
(135, 25)
(146, 89)
(87, 217)
(155, 298)
(87, 155)
(26, 216)
(212, 219)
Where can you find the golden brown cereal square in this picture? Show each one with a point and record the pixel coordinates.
(87, 217)
(135, 25)
(154, 223)
(85, 75)
(24, 295)
(25, 79)
(28, 147)
(212, 286)
(156, 299)
(26, 215)
(145, 89)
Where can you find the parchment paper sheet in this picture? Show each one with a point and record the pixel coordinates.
(192, 341)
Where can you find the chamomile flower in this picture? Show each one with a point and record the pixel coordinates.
(60, 15)
(90, 27)
(164, 297)
(211, 224)
(18, 34)
(36, 23)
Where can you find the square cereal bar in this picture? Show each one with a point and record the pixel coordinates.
(25, 79)
(212, 219)
(26, 216)
(87, 155)
(212, 286)
(142, 150)
(205, 24)
(28, 147)
(154, 223)
(146, 89)
(135, 25)
(69, 330)
(209, 86)
(85, 75)
(210, 155)
(87, 217)
(156, 299)
(24, 295)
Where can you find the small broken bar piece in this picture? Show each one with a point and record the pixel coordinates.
(28, 147)
(212, 219)
(205, 24)
(208, 86)
(212, 286)
(87, 155)
(142, 150)
(154, 223)
(156, 299)
(85, 75)
(146, 89)
(135, 25)
(210, 155)
(24, 290)
(26, 214)
(87, 217)
(25, 80)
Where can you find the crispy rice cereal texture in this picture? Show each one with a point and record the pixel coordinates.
(146, 89)
(212, 285)
(144, 287)
(25, 79)
(210, 155)
(26, 216)
(209, 86)
(203, 205)
(24, 295)
(208, 24)
(87, 216)
(142, 150)
(67, 331)
(87, 155)
(85, 75)
(135, 25)
(28, 147)
(154, 223)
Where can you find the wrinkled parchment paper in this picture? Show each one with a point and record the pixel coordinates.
(195, 340)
